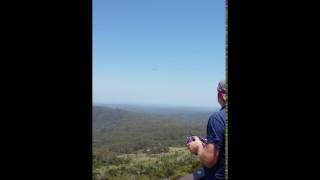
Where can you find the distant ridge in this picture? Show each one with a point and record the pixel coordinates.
(136, 129)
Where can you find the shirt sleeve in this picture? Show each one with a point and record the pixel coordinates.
(215, 131)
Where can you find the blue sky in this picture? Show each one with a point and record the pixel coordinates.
(158, 52)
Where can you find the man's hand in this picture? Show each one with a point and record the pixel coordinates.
(195, 146)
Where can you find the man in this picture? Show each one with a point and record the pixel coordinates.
(212, 154)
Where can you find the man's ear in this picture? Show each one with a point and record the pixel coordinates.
(224, 96)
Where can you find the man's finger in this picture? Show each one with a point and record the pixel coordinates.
(196, 138)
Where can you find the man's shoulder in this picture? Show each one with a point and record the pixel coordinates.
(219, 116)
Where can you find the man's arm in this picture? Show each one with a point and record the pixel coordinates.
(208, 155)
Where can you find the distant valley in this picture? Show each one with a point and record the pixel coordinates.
(121, 130)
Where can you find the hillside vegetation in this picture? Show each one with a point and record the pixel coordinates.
(135, 145)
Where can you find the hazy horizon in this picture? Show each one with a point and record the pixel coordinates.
(155, 106)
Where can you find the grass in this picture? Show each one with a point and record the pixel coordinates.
(174, 164)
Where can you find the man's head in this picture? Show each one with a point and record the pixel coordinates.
(222, 92)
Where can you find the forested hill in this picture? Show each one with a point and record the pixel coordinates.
(125, 131)
(109, 118)
(113, 112)
(144, 145)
